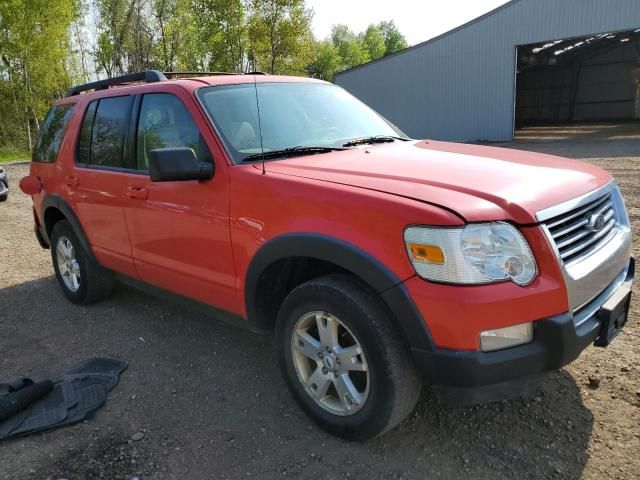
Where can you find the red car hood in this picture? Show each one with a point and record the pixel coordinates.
(478, 183)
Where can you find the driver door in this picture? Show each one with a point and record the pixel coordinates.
(179, 230)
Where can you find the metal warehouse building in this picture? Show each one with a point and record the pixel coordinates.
(528, 62)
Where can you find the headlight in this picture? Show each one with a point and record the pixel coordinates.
(477, 253)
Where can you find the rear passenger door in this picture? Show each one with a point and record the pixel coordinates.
(180, 230)
(97, 186)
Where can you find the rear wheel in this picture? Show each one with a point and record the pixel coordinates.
(343, 358)
(82, 280)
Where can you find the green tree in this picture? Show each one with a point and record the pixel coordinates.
(349, 46)
(35, 64)
(166, 13)
(373, 42)
(221, 33)
(326, 61)
(393, 39)
(139, 39)
(126, 36)
(280, 36)
(114, 26)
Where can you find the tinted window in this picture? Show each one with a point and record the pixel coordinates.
(291, 115)
(51, 133)
(84, 142)
(165, 122)
(109, 126)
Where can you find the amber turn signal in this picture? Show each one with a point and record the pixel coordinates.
(426, 253)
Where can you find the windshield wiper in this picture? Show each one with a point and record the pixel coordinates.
(291, 152)
(374, 139)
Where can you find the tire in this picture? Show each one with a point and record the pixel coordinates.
(390, 387)
(92, 282)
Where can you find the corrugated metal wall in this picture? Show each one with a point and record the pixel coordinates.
(605, 90)
(460, 86)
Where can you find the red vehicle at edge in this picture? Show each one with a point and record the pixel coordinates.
(380, 262)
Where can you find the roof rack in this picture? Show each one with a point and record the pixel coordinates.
(147, 76)
(205, 74)
(193, 74)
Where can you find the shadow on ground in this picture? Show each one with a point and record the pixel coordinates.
(210, 402)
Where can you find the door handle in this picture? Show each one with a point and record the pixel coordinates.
(72, 182)
(137, 192)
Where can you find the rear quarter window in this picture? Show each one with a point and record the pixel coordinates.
(51, 134)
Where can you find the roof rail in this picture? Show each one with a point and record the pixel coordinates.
(193, 74)
(147, 76)
(205, 74)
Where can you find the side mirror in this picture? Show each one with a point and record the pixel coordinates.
(30, 185)
(177, 164)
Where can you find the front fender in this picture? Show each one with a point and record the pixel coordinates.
(351, 258)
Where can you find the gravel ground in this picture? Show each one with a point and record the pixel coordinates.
(202, 399)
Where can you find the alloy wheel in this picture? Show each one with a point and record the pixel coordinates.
(68, 265)
(330, 363)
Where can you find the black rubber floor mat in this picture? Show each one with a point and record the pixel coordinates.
(75, 397)
(14, 400)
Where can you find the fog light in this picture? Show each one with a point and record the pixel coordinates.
(506, 337)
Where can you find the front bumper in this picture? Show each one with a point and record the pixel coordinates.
(558, 340)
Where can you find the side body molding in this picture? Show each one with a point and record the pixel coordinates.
(350, 258)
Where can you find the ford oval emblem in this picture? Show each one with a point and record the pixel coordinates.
(596, 222)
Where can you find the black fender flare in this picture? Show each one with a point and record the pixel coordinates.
(351, 258)
(58, 203)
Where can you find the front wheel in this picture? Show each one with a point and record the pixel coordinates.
(343, 358)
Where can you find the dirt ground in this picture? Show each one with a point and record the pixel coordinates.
(209, 402)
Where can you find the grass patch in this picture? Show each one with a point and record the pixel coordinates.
(14, 155)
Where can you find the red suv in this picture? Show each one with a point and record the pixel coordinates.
(380, 262)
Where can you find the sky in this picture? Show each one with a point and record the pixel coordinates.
(418, 20)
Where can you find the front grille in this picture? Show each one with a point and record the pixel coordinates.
(574, 236)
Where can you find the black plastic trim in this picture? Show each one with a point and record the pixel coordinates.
(148, 76)
(43, 243)
(204, 308)
(351, 258)
(556, 343)
(58, 203)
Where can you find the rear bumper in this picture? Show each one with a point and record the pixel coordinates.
(557, 342)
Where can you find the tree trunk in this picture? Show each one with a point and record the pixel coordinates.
(29, 135)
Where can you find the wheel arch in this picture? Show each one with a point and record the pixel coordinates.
(323, 254)
(54, 208)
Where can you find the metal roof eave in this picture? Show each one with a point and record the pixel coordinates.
(434, 39)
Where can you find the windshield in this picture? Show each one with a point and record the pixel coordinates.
(292, 115)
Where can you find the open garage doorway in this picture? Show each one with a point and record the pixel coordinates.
(587, 86)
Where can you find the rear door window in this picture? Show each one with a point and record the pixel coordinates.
(109, 126)
(51, 133)
(103, 130)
